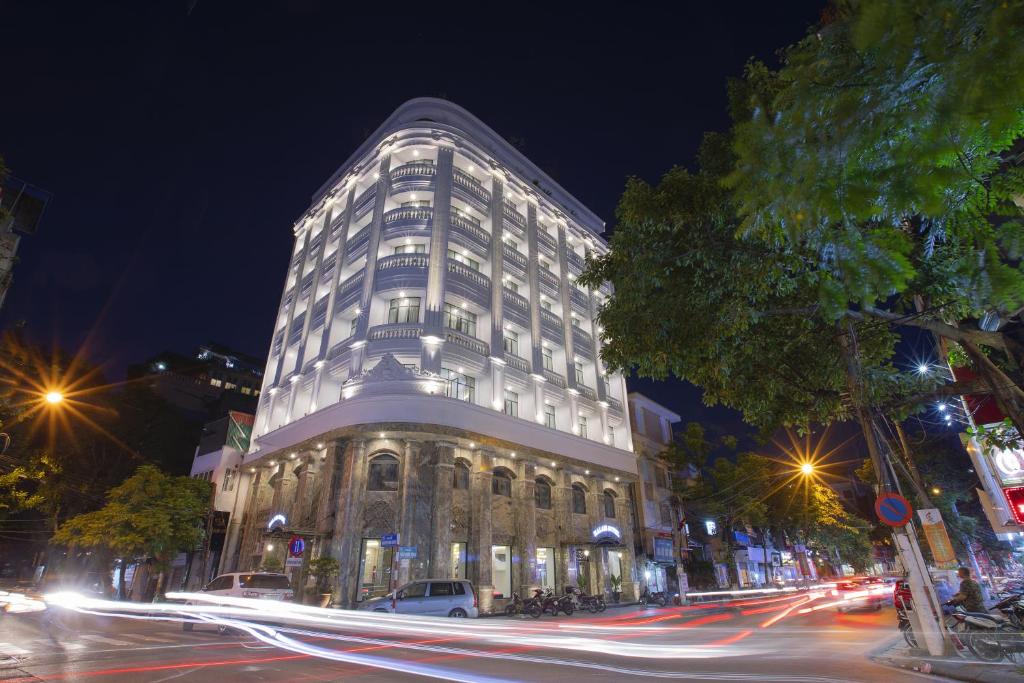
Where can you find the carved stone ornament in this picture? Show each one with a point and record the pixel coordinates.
(378, 519)
(460, 520)
(389, 370)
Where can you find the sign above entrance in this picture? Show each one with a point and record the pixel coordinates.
(893, 509)
(407, 552)
(607, 530)
(276, 521)
(389, 541)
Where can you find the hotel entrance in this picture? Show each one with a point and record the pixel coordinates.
(375, 566)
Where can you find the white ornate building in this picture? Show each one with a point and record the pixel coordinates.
(435, 372)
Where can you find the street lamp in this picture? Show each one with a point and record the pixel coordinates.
(54, 397)
(807, 469)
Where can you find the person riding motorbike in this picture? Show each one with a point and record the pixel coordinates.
(969, 595)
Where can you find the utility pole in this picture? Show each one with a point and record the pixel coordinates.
(926, 619)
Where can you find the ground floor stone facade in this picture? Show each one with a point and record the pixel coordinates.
(507, 520)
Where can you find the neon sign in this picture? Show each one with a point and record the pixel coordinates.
(279, 520)
(607, 529)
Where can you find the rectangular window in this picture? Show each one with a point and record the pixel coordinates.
(374, 569)
(229, 480)
(549, 416)
(215, 382)
(659, 477)
(353, 326)
(583, 426)
(458, 560)
(501, 570)
(418, 203)
(578, 367)
(511, 403)
(611, 435)
(405, 310)
(575, 320)
(546, 567)
(512, 286)
(545, 304)
(246, 390)
(230, 385)
(411, 249)
(460, 386)
(549, 358)
(464, 260)
(457, 318)
(512, 342)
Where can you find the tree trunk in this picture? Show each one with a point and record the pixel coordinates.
(121, 582)
(1007, 394)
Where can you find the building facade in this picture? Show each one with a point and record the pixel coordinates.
(659, 536)
(435, 373)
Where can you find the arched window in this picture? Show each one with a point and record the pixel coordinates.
(383, 474)
(609, 504)
(461, 475)
(542, 494)
(501, 483)
(579, 499)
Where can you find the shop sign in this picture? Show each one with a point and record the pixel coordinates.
(938, 539)
(407, 552)
(389, 541)
(741, 537)
(1015, 497)
(1009, 465)
(293, 562)
(663, 550)
(276, 521)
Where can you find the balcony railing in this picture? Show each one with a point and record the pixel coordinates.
(583, 339)
(515, 300)
(416, 214)
(391, 332)
(413, 169)
(464, 340)
(474, 276)
(403, 261)
(516, 362)
(580, 300)
(349, 292)
(364, 202)
(357, 245)
(548, 282)
(472, 186)
(546, 243)
(550, 318)
(587, 392)
(614, 404)
(515, 256)
(515, 222)
(575, 260)
(554, 378)
(469, 228)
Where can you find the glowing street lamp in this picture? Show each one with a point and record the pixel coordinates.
(807, 469)
(54, 397)
(923, 369)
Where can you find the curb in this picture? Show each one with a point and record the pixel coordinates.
(955, 669)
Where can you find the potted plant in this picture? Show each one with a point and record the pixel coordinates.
(616, 587)
(324, 569)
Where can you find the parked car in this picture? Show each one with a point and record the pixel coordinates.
(259, 585)
(432, 597)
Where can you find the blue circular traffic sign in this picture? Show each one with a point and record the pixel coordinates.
(893, 509)
(296, 546)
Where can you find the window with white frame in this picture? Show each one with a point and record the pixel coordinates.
(460, 319)
(511, 403)
(549, 415)
(411, 249)
(583, 426)
(511, 285)
(405, 310)
(352, 327)
(511, 342)
(459, 385)
(463, 259)
(548, 358)
(578, 368)
(545, 304)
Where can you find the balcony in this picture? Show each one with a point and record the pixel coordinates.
(417, 175)
(548, 283)
(516, 307)
(364, 202)
(468, 233)
(554, 378)
(583, 343)
(349, 293)
(515, 260)
(587, 392)
(580, 301)
(576, 262)
(395, 338)
(465, 341)
(606, 288)
(515, 222)
(357, 245)
(551, 327)
(546, 244)
(614, 404)
(402, 271)
(469, 284)
(471, 190)
(517, 363)
(407, 221)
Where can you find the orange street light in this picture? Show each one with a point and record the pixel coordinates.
(807, 469)
(54, 397)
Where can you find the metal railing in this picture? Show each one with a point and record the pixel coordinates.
(554, 378)
(472, 186)
(465, 341)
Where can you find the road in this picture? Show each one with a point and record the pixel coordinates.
(758, 641)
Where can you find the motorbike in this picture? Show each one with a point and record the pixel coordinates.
(648, 598)
(992, 637)
(519, 606)
(553, 604)
(591, 603)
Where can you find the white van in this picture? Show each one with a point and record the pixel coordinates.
(259, 585)
(431, 597)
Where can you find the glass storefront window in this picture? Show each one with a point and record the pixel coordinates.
(614, 563)
(501, 570)
(458, 560)
(546, 567)
(374, 569)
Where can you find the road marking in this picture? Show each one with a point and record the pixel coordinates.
(151, 639)
(103, 639)
(11, 649)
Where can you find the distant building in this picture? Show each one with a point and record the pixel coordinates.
(658, 536)
(21, 209)
(207, 384)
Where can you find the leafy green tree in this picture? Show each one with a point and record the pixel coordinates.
(149, 515)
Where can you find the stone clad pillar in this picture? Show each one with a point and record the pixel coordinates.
(295, 289)
(624, 514)
(566, 299)
(370, 274)
(497, 265)
(339, 266)
(533, 282)
(348, 521)
(437, 271)
(526, 527)
(408, 491)
(480, 531)
(562, 490)
(441, 518)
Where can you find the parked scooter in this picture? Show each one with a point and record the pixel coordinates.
(657, 598)
(519, 606)
(553, 604)
(591, 603)
(992, 637)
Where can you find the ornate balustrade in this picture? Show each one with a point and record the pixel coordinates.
(554, 378)
(464, 340)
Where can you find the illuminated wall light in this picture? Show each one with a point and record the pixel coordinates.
(413, 196)
(270, 546)
(497, 403)
(381, 435)
(401, 293)
(319, 445)
(376, 176)
(408, 241)
(415, 152)
(587, 472)
(461, 370)
(554, 464)
(471, 168)
(472, 444)
(463, 305)
(513, 454)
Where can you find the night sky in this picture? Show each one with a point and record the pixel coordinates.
(182, 139)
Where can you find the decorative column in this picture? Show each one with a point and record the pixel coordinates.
(325, 235)
(330, 474)
(277, 476)
(479, 553)
(563, 287)
(340, 254)
(497, 265)
(563, 522)
(301, 510)
(623, 512)
(441, 513)
(408, 489)
(437, 270)
(279, 370)
(348, 524)
(595, 513)
(370, 275)
(526, 526)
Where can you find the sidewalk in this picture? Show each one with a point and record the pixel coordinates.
(899, 655)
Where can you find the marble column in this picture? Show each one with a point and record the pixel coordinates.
(533, 282)
(526, 526)
(480, 532)
(348, 521)
(288, 337)
(441, 513)
(330, 471)
(623, 511)
(437, 271)
(370, 273)
(408, 492)
(563, 521)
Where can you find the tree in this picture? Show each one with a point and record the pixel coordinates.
(149, 515)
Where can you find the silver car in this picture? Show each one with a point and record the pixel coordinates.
(431, 597)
